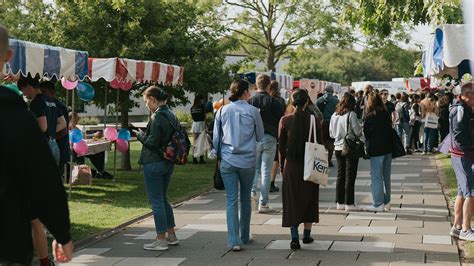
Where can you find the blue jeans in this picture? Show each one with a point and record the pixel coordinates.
(266, 150)
(380, 171)
(428, 140)
(405, 126)
(232, 177)
(157, 179)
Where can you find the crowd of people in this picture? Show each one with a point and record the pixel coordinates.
(254, 135)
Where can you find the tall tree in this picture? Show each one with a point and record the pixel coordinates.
(381, 17)
(269, 29)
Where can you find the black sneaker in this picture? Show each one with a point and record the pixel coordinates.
(107, 175)
(274, 188)
(195, 161)
(294, 245)
(308, 240)
(331, 164)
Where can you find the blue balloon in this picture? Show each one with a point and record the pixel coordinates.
(85, 91)
(124, 134)
(75, 135)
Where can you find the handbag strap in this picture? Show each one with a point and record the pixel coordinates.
(219, 146)
(312, 128)
(349, 126)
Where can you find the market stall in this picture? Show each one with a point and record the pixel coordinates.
(121, 73)
(285, 81)
(315, 87)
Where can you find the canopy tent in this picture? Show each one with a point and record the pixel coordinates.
(139, 71)
(417, 84)
(44, 60)
(315, 86)
(120, 71)
(449, 52)
(285, 81)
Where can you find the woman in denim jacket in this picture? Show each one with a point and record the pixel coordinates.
(237, 129)
(158, 170)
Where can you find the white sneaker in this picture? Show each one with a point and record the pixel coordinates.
(159, 244)
(353, 208)
(387, 207)
(264, 209)
(372, 208)
(340, 207)
(466, 235)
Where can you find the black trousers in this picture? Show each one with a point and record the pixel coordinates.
(346, 176)
(97, 160)
(415, 136)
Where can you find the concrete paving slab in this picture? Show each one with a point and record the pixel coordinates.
(92, 261)
(371, 216)
(368, 230)
(214, 216)
(363, 246)
(285, 245)
(374, 258)
(207, 227)
(199, 201)
(290, 262)
(437, 239)
(445, 259)
(151, 261)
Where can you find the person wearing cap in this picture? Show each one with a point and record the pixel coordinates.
(30, 181)
(327, 104)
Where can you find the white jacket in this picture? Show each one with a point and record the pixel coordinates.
(338, 128)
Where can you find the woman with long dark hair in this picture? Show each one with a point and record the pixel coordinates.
(344, 123)
(237, 129)
(158, 170)
(300, 198)
(378, 132)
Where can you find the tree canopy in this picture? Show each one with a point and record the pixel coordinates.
(382, 17)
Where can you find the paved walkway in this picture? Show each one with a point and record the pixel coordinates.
(414, 232)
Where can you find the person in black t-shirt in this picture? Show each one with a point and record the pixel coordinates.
(62, 137)
(388, 104)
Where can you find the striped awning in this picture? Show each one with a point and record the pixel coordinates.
(44, 60)
(139, 71)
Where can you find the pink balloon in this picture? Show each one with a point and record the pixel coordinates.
(69, 85)
(115, 83)
(81, 148)
(122, 145)
(126, 86)
(111, 133)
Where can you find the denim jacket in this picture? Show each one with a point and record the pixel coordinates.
(158, 134)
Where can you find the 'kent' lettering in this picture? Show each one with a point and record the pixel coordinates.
(320, 168)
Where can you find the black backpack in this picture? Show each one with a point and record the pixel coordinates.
(403, 114)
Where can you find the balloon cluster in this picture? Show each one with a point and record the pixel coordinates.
(85, 91)
(120, 138)
(79, 145)
(123, 85)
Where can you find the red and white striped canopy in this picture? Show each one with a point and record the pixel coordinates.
(138, 71)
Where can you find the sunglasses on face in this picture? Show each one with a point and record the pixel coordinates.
(384, 93)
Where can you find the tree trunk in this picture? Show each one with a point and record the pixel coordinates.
(124, 103)
(271, 60)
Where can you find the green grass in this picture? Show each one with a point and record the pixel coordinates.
(107, 204)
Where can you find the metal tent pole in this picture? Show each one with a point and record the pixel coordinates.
(116, 127)
(71, 163)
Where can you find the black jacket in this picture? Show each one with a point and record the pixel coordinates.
(30, 183)
(378, 133)
(270, 110)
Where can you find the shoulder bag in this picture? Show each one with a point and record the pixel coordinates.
(316, 165)
(353, 147)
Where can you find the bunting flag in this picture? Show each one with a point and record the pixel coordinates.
(135, 71)
(44, 60)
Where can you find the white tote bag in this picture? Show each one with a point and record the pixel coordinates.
(316, 164)
(431, 120)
